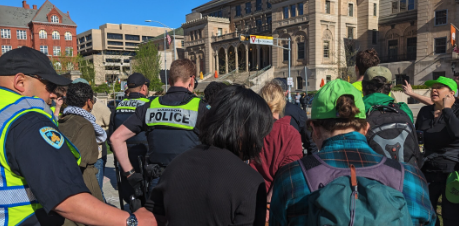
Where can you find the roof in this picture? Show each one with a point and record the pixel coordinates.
(178, 31)
(44, 10)
(210, 4)
(16, 16)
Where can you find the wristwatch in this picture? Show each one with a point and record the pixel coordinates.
(129, 173)
(132, 220)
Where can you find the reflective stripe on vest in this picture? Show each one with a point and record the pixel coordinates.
(17, 201)
(181, 116)
(131, 104)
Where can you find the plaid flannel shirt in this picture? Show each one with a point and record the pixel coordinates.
(288, 205)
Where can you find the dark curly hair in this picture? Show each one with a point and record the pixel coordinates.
(78, 94)
(366, 59)
(210, 93)
(376, 85)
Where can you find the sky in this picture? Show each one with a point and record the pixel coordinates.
(90, 14)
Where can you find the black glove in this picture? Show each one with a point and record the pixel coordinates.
(134, 204)
(135, 180)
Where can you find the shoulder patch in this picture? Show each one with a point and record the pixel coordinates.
(208, 107)
(52, 137)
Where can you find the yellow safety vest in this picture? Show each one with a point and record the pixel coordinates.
(17, 202)
(131, 104)
(181, 116)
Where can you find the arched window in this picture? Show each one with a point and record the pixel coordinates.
(58, 66)
(43, 34)
(68, 36)
(54, 19)
(56, 35)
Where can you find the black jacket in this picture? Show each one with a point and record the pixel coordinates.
(298, 121)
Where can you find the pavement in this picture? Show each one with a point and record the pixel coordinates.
(110, 187)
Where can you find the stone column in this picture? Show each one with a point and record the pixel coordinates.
(226, 61)
(217, 66)
(198, 66)
(236, 59)
(246, 58)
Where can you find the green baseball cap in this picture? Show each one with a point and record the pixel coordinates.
(324, 103)
(445, 81)
(452, 187)
(372, 72)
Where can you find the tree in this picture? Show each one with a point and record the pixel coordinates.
(346, 60)
(147, 61)
(87, 69)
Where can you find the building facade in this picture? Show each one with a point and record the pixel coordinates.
(111, 46)
(46, 29)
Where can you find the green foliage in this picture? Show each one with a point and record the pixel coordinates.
(400, 88)
(104, 88)
(147, 61)
(86, 68)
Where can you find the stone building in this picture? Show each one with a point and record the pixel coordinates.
(46, 29)
(111, 46)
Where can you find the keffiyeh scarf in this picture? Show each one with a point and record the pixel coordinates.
(101, 136)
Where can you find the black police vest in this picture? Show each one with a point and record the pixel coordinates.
(166, 142)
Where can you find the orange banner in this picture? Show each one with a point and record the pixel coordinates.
(453, 35)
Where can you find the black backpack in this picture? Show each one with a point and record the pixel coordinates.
(392, 134)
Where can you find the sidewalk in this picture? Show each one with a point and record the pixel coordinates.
(110, 186)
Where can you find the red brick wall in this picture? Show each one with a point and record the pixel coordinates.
(13, 41)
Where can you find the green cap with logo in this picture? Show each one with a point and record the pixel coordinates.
(445, 81)
(452, 187)
(324, 103)
(375, 71)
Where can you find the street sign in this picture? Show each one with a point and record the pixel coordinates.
(290, 81)
(261, 40)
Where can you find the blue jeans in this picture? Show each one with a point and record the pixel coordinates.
(100, 165)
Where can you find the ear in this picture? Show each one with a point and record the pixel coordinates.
(364, 131)
(20, 82)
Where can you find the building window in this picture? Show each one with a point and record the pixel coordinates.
(441, 17)
(285, 53)
(259, 25)
(42, 34)
(300, 9)
(219, 32)
(395, 7)
(328, 78)
(258, 5)
(5, 33)
(400, 79)
(374, 38)
(351, 9)
(68, 36)
(393, 50)
(248, 7)
(70, 66)
(440, 45)
(268, 4)
(301, 50)
(56, 35)
(375, 9)
(299, 83)
(293, 11)
(57, 66)
(68, 51)
(269, 20)
(350, 33)
(54, 19)
(238, 10)
(114, 36)
(88, 44)
(437, 74)
(81, 40)
(21, 34)
(56, 50)
(6, 49)
(146, 38)
(411, 48)
(286, 12)
(132, 37)
(131, 44)
(402, 5)
(44, 49)
(89, 37)
(410, 4)
(115, 43)
(327, 7)
(183, 43)
(326, 49)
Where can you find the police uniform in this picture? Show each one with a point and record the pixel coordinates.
(170, 123)
(136, 145)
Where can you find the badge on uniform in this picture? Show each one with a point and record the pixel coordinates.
(52, 137)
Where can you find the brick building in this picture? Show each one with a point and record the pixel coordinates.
(46, 29)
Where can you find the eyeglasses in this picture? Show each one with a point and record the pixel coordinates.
(195, 81)
(50, 87)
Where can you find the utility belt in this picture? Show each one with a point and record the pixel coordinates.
(445, 160)
(152, 170)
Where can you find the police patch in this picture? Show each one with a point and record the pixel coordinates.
(52, 137)
(208, 107)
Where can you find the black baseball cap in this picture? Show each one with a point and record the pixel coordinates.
(136, 80)
(30, 62)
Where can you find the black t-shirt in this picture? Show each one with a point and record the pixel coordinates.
(209, 186)
(51, 171)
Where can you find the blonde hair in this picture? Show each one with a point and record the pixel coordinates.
(273, 94)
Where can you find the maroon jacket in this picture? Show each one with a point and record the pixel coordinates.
(282, 146)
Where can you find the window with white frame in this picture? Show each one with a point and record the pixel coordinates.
(327, 7)
(326, 49)
(56, 50)
(44, 49)
(21, 34)
(57, 66)
(68, 36)
(54, 19)
(219, 32)
(441, 17)
(5, 33)
(69, 51)
(6, 49)
(56, 35)
(43, 34)
(70, 66)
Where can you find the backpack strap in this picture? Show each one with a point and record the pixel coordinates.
(318, 173)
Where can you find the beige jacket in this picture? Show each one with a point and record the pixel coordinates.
(102, 114)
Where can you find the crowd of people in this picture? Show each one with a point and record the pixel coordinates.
(233, 157)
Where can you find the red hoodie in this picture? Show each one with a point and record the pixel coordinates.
(282, 146)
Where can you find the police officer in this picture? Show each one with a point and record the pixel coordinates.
(40, 181)
(137, 145)
(169, 121)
